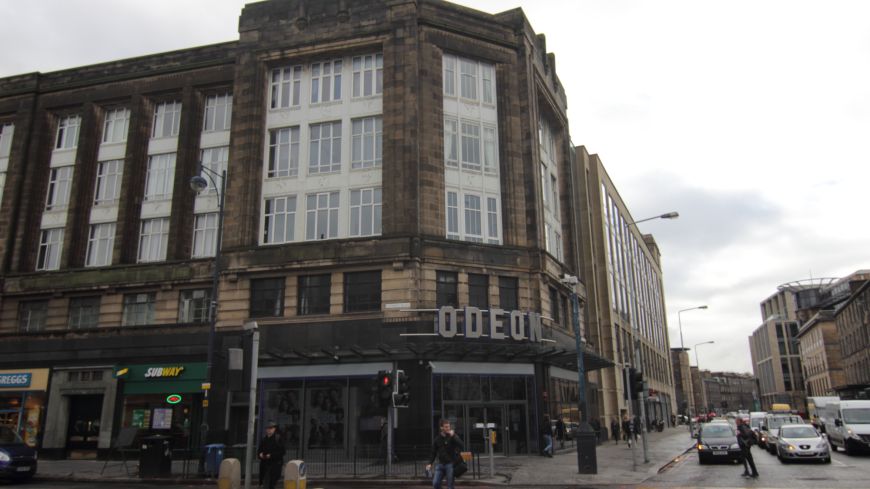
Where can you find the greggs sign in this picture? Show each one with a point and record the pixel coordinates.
(498, 325)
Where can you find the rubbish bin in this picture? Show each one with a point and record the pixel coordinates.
(587, 462)
(214, 455)
(155, 457)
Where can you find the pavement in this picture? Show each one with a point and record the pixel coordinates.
(616, 466)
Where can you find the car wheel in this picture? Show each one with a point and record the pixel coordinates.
(833, 447)
(781, 460)
(848, 449)
(702, 460)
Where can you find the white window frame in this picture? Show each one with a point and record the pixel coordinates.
(470, 138)
(194, 306)
(489, 151)
(326, 81)
(160, 179)
(316, 161)
(368, 75)
(366, 142)
(218, 112)
(101, 242)
(67, 132)
(284, 147)
(216, 160)
(468, 79)
(365, 211)
(279, 210)
(451, 142)
(286, 87)
(493, 221)
(116, 126)
(204, 235)
(321, 218)
(453, 215)
(487, 78)
(107, 189)
(449, 74)
(153, 240)
(7, 130)
(59, 184)
(473, 218)
(167, 120)
(50, 244)
(140, 309)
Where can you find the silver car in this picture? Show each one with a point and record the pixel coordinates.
(802, 442)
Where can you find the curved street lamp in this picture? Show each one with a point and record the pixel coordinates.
(680, 320)
(700, 377)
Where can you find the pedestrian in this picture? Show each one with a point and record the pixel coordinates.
(626, 429)
(446, 447)
(271, 455)
(547, 433)
(745, 440)
(596, 425)
(560, 432)
(614, 429)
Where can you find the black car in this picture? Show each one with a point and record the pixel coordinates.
(717, 441)
(17, 460)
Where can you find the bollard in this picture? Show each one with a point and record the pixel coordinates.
(294, 475)
(230, 474)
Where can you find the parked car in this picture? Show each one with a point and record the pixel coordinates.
(717, 441)
(17, 460)
(802, 442)
(756, 419)
(847, 424)
(771, 426)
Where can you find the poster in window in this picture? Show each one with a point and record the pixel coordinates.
(325, 417)
(162, 419)
(138, 420)
(283, 407)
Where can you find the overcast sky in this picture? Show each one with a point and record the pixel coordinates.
(749, 118)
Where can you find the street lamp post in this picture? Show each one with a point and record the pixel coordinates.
(582, 404)
(252, 401)
(680, 321)
(198, 183)
(701, 377)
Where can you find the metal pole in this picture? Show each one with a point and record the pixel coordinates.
(252, 404)
(641, 399)
(390, 411)
(680, 320)
(630, 424)
(213, 306)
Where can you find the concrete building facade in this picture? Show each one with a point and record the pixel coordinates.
(683, 389)
(852, 320)
(820, 354)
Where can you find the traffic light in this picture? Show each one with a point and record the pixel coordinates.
(402, 397)
(637, 384)
(385, 388)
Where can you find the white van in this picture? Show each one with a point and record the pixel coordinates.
(847, 424)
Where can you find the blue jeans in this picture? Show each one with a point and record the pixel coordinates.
(548, 444)
(443, 471)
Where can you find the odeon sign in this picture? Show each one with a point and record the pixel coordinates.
(499, 325)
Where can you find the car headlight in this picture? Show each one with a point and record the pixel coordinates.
(4, 457)
(735, 446)
(792, 448)
(763, 438)
(701, 446)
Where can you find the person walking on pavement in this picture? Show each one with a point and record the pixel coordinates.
(445, 448)
(745, 439)
(560, 432)
(637, 427)
(626, 429)
(614, 429)
(271, 455)
(547, 433)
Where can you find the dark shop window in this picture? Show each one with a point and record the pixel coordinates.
(446, 289)
(478, 290)
(267, 297)
(508, 293)
(362, 291)
(313, 294)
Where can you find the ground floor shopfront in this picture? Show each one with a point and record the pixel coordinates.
(23, 394)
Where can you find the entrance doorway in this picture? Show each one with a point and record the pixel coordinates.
(510, 420)
(83, 431)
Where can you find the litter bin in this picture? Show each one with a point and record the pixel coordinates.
(214, 455)
(155, 457)
(587, 461)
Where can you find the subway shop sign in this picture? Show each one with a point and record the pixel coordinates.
(162, 378)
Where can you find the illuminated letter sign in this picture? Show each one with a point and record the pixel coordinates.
(447, 322)
(162, 372)
(499, 325)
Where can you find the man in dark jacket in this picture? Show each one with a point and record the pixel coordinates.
(745, 439)
(614, 430)
(445, 449)
(271, 455)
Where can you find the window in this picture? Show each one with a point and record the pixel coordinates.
(101, 241)
(280, 220)
(362, 291)
(478, 290)
(267, 297)
(446, 293)
(218, 112)
(324, 153)
(204, 235)
(365, 212)
(161, 176)
(116, 126)
(472, 219)
(67, 132)
(84, 312)
(108, 187)
(468, 79)
(138, 309)
(286, 87)
(313, 294)
(59, 181)
(508, 293)
(194, 306)
(368, 75)
(470, 146)
(32, 316)
(557, 244)
(554, 191)
(488, 74)
(167, 119)
(215, 159)
(153, 239)
(555, 307)
(490, 156)
(326, 81)
(451, 142)
(366, 148)
(449, 75)
(6, 131)
(322, 216)
(283, 152)
(492, 235)
(453, 215)
(545, 191)
(50, 242)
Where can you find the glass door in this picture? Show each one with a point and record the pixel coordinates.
(84, 422)
(516, 430)
(485, 414)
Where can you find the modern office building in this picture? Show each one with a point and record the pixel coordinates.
(401, 192)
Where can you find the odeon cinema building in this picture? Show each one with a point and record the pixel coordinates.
(401, 193)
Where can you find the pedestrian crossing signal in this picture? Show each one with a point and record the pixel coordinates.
(385, 388)
(402, 395)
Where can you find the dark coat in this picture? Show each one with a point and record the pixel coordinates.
(274, 446)
(445, 448)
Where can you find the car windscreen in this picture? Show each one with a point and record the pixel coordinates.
(716, 431)
(777, 421)
(798, 432)
(8, 436)
(856, 416)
